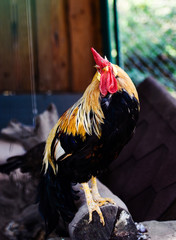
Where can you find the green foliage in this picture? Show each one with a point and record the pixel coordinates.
(148, 39)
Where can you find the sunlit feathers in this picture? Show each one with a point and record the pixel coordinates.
(81, 119)
(124, 81)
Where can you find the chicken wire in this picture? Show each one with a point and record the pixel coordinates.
(148, 39)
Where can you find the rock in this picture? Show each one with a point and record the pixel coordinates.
(82, 229)
(28, 225)
(118, 222)
(124, 228)
(9, 149)
(58, 238)
(104, 192)
(30, 136)
(161, 230)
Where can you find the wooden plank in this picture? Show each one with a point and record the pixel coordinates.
(35, 44)
(84, 33)
(14, 61)
(43, 44)
(97, 28)
(43, 13)
(22, 49)
(64, 31)
(6, 73)
(60, 48)
(52, 38)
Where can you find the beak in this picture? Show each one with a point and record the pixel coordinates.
(97, 67)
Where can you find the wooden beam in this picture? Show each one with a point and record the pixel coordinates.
(52, 45)
(22, 49)
(84, 34)
(60, 48)
(43, 13)
(6, 28)
(14, 62)
(63, 33)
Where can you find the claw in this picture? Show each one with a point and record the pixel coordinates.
(94, 200)
(102, 201)
(92, 206)
(96, 196)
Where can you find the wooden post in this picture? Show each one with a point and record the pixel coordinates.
(84, 34)
(6, 28)
(63, 33)
(52, 45)
(60, 48)
(43, 11)
(22, 49)
(14, 50)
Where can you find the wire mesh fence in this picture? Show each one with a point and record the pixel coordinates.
(148, 39)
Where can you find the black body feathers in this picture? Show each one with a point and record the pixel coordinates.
(93, 155)
(30, 162)
(56, 200)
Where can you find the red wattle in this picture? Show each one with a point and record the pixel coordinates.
(112, 83)
(108, 83)
(103, 85)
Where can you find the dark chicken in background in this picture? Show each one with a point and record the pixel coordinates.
(85, 140)
(30, 162)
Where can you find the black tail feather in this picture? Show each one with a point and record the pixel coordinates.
(55, 200)
(12, 164)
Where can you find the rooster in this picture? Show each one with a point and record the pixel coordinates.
(85, 140)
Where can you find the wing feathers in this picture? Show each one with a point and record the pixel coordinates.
(83, 118)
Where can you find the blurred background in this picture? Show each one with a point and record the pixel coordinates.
(148, 40)
(45, 48)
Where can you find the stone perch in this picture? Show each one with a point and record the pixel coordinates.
(118, 222)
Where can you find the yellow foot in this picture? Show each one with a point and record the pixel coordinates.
(93, 206)
(96, 196)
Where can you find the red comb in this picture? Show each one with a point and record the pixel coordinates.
(101, 62)
(108, 82)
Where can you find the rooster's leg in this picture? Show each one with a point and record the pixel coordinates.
(96, 196)
(92, 206)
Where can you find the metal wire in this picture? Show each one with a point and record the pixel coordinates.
(31, 60)
(148, 39)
